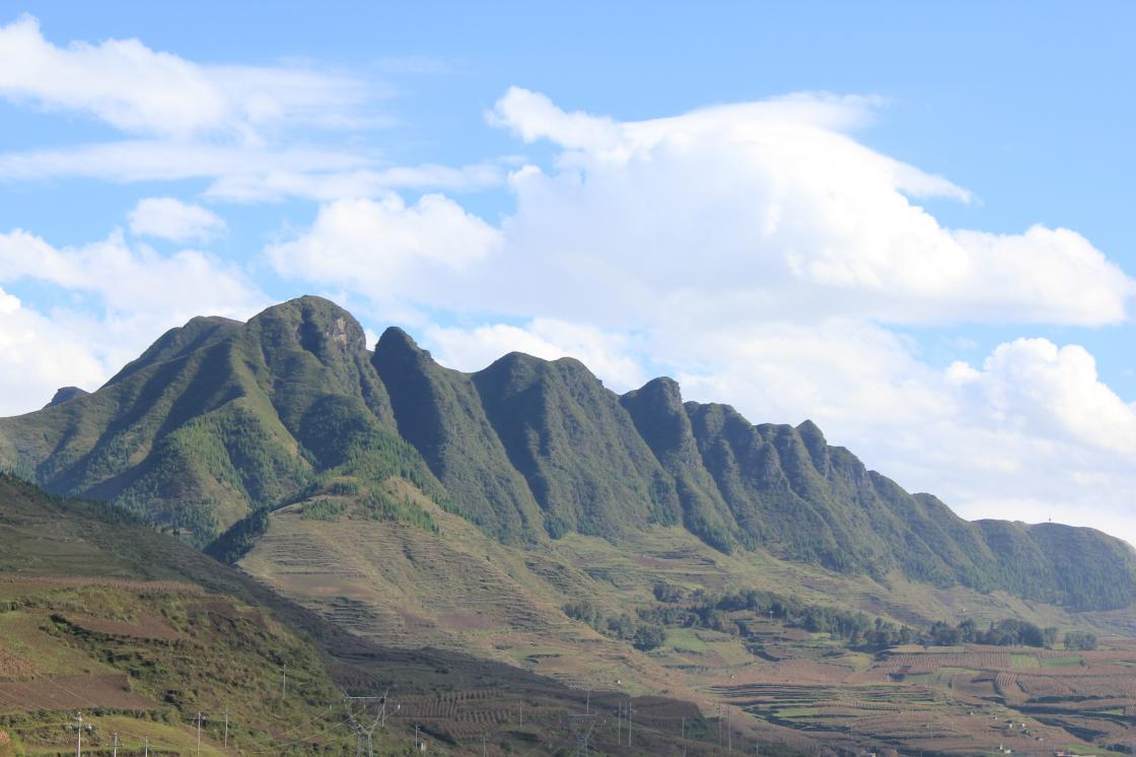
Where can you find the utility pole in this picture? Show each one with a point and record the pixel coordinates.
(484, 746)
(618, 723)
(684, 737)
(729, 733)
(719, 726)
(226, 728)
(114, 751)
(588, 702)
(199, 733)
(628, 722)
(146, 748)
(284, 688)
(79, 747)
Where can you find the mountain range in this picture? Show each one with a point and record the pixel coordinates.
(220, 422)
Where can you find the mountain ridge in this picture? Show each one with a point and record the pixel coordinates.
(220, 419)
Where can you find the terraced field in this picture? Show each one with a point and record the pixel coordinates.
(140, 659)
(405, 586)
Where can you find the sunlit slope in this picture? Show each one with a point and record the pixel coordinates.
(107, 617)
(445, 583)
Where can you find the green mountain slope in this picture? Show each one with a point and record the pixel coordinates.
(440, 412)
(220, 419)
(584, 461)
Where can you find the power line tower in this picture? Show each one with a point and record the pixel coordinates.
(363, 720)
(582, 726)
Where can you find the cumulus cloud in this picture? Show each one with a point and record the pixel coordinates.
(1034, 386)
(172, 219)
(774, 204)
(39, 356)
(386, 248)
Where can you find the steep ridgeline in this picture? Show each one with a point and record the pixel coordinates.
(219, 418)
(600, 464)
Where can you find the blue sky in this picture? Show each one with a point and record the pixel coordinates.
(550, 179)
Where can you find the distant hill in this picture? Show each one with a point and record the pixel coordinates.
(219, 420)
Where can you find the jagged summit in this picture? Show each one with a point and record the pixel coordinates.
(220, 418)
(65, 393)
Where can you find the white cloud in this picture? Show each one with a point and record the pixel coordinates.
(386, 248)
(153, 160)
(172, 219)
(131, 279)
(370, 183)
(1033, 386)
(38, 356)
(607, 355)
(118, 299)
(139, 90)
(770, 205)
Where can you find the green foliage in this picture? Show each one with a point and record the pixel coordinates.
(648, 637)
(669, 593)
(1080, 640)
(711, 611)
(383, 506)
(235, 543)
(643, 636)
(323, 509)
(1010, 632)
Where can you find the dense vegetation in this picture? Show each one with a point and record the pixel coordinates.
(1080, 640)
(219, 421)
(677, 608)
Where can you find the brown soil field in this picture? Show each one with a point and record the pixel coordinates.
(12, 666)
(149, 627)
(111, 691)
(161, 587)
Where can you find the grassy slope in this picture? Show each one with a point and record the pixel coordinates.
(63, 567)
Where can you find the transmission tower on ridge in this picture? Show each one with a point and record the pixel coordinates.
(362, 724)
